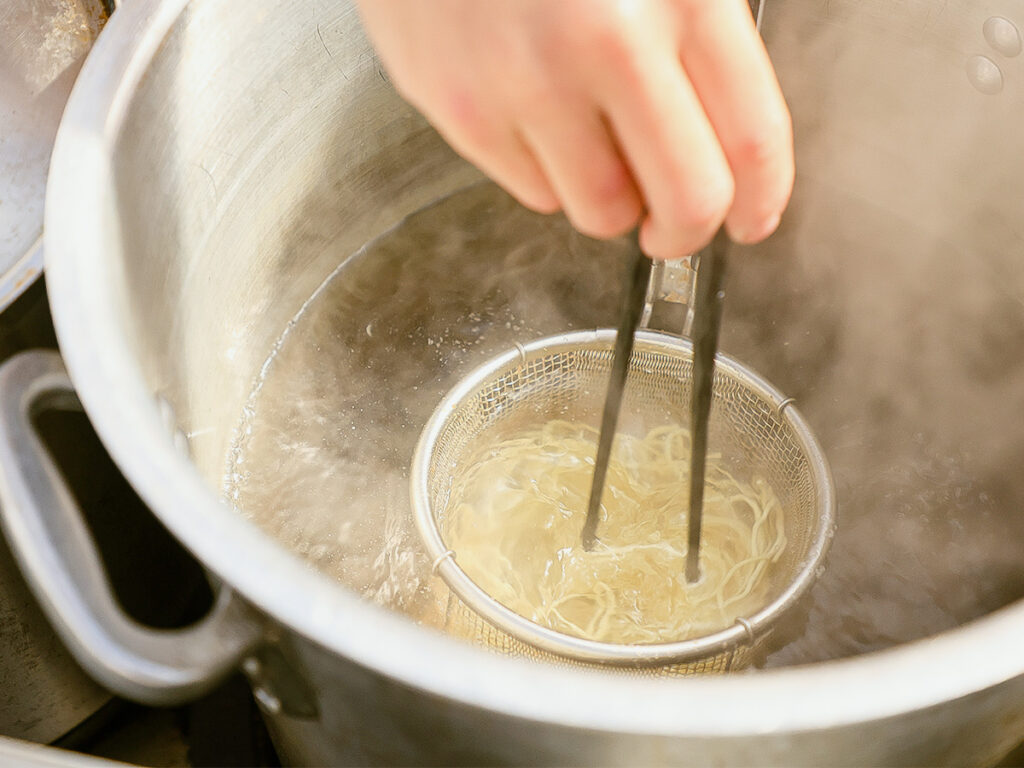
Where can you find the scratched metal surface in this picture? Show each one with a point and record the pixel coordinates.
(42, 45)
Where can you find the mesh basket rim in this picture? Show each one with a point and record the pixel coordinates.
(745, 631)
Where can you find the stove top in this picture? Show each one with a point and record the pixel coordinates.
(156, 582)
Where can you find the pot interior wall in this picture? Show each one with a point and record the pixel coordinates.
(890, 304)
(246, 173)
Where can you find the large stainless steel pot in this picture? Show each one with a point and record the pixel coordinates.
(219, 157)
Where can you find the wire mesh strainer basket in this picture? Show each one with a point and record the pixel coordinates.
(564, 377)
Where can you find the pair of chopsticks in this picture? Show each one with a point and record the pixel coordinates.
(706, 324)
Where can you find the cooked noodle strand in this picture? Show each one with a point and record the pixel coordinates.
(515, 514)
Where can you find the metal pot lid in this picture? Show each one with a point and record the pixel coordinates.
(42, 46)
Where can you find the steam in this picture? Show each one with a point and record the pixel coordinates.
(890, 305)
(892, 308)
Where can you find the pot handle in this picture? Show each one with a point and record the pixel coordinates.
(58, 557)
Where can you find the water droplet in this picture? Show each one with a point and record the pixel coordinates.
(984, 75)
(1003, 35)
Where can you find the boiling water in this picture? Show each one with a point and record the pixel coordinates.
(323, 451)
(916, 432)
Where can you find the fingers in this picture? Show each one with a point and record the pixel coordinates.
(562, 156)
(611, 111)
(672, 148)
(501, 153)
(584, 167)
(725, 60)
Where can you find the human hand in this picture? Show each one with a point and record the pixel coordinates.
(660, 112)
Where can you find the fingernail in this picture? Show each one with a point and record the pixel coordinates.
(756, 234)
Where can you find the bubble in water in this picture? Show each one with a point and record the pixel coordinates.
(1003, 35)
(984, 75)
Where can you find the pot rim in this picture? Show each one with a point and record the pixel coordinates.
(81, 250)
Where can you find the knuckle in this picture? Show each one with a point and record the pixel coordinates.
(620, 56)
(602, 223)
(768, 143)
(612, 184)
(593, 32)
(466, 120)
(607, 37)
(704, 209)
(612, 205)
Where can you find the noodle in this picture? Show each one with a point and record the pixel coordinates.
(514, 520)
